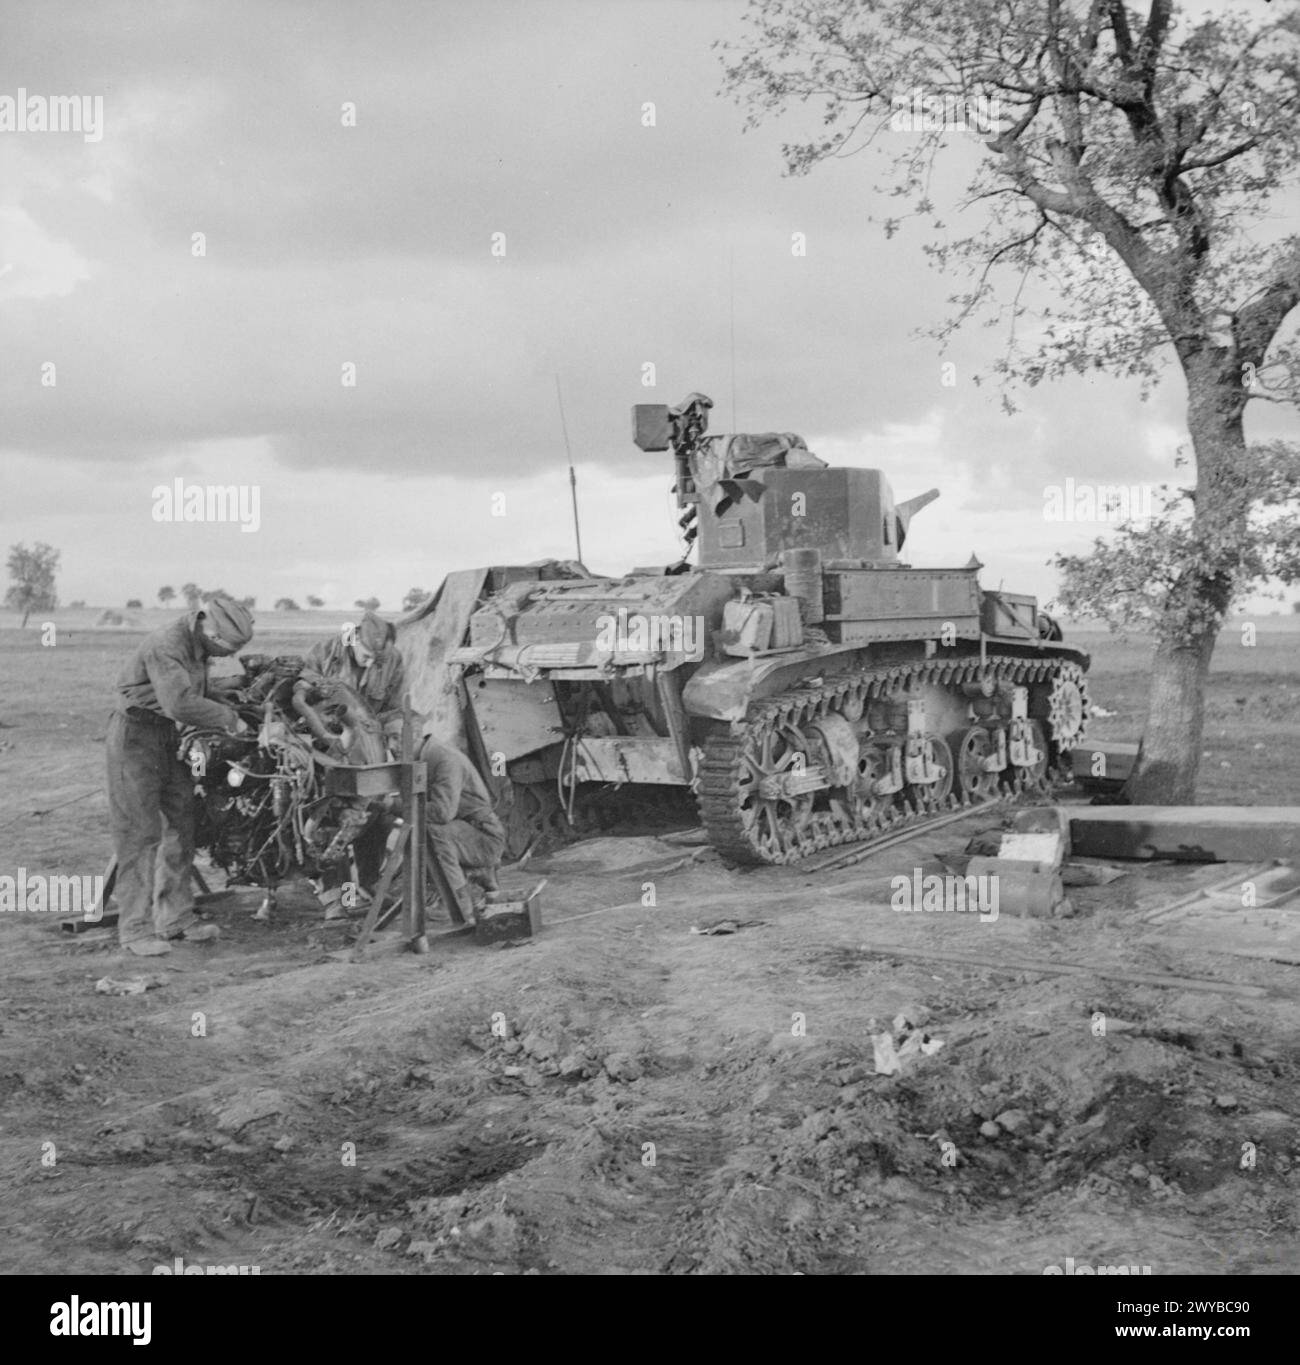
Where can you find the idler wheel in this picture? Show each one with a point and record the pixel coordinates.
(780, 824)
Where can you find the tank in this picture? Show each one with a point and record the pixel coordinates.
(809, 686)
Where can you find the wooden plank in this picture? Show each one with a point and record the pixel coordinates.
(391, 865)
(1206, 834)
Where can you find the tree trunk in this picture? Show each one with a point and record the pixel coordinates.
(1170, 753)
(26, 614)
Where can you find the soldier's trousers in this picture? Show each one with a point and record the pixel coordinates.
(463, 848)
(151, 811)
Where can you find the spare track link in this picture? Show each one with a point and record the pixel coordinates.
(724, 753)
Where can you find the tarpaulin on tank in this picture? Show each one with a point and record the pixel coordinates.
(719, 461)
(426, 638)
(435, 629)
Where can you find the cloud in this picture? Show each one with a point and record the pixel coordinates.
(32, 264)
(628, 242)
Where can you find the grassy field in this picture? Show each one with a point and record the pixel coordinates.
(1251, 747)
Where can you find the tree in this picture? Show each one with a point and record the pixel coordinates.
(287, 604)
(417, 597)
(192, 594)
(249, 602)
(314, 601)
(134, 604)
(1131, 163)
(166, 595)
(367, 603)
(32, 574)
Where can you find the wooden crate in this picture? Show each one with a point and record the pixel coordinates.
(512, 912)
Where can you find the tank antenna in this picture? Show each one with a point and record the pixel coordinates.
(573, 478)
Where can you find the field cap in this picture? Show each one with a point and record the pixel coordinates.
(232, 620)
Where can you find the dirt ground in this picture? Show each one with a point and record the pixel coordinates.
(621, 1095)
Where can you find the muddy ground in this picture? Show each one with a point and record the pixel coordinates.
(651, 1100)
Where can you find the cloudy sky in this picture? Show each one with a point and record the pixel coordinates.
(626, 243)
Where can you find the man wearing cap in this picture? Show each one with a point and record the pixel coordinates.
(150, 791)
(464, 832)
(365, 656)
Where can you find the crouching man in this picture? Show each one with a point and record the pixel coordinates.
(464, 832)
(365, 656)
(150, 791)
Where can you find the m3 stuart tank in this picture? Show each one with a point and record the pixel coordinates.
(810, 687)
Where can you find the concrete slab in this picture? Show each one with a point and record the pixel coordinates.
(1205, 834)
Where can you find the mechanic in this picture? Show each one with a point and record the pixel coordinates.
(150, 790)
(464, 832)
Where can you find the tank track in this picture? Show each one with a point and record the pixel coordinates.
(728, 751)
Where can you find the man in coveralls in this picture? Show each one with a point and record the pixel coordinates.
(150, 791)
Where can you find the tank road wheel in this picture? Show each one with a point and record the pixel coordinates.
(833, 746)
(874, 810)
(1032, 777)
(932, 794)
(973, 748)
